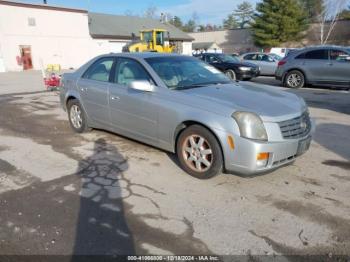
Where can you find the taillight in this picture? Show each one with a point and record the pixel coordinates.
(282, 62)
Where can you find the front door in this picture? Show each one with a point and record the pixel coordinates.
(26, 57)
(339, 67)
(316, 65)
(93, 88)
(133, 113)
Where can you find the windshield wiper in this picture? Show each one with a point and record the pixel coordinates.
(201, 85)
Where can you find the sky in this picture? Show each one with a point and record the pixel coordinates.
(208, 11)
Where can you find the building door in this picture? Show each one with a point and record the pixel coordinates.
(26, 57)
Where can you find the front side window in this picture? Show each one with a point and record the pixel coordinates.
(228, 58)
(147, 37)
(338, 55)
(160, 38)
(250, 57)
(211, 59)
(100, 70)
(186, 72)
(321, 54)
(129, 70)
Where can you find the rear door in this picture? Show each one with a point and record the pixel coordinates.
(339, 67)
(267, 64)
(93, 89)
(315, 65)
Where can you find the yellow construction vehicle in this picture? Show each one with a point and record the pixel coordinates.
(152, 40)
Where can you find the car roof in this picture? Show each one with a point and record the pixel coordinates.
(312, 48)
(143, 55)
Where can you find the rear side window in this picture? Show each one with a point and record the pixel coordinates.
(250, 57)
(100, 70)
(317, 54)
(338, 55)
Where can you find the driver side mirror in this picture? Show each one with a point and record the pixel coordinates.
(141, 85)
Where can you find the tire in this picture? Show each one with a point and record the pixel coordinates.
(78, 124)
(231, 74)
(294, 79)
(199, 152)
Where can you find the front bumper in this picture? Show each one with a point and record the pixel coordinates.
(248, 74)
(243, 158)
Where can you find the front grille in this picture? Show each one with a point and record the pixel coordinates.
(296, 127)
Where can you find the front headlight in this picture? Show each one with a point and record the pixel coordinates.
(244, 68)
(250, 125)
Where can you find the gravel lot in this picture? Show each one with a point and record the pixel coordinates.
(99, 193)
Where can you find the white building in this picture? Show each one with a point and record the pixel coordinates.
(33, 36)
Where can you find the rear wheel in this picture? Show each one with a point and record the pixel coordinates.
(76, 115)
(231, 74)
(199, 152)
(295, 79)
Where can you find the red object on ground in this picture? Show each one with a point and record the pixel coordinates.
(52, 81)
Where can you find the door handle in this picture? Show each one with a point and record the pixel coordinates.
(115, 97)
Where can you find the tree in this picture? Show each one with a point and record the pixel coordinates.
(329, 18)
(243, 13)
(176, 21)
(230, 22)
(190, 26)
(151, 12)
(345, 14)
(314, 9)
(277, 22)
(201, 28)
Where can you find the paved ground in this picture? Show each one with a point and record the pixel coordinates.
(99, 193)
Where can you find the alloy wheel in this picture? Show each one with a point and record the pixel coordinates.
(197, 153)
(76, 116)
(294, 80)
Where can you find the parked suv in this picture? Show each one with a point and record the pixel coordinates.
(324, 66)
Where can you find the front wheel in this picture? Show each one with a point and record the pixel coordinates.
(231, 74)
(295, 79)
(199, 152)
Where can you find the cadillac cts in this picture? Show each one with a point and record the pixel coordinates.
(183, 105)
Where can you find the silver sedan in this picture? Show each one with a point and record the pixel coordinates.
(267, 62)
(185, 106)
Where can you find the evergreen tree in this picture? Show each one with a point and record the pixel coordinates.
(176, 21)
(190, 26)
(314, 9)
(230, 22)
(345, 14)
(278, 21)
(243, 13)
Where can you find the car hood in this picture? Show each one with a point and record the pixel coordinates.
(241, 64)
(271, 105)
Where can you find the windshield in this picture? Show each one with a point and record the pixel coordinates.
(186, 72)
(228, 58)
(276, 57)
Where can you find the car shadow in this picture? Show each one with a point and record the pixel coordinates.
(335, 138)
(102, 228)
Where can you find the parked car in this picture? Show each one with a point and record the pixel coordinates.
(185, 106)
(266, 62)
(231, 66)
(323, 65)
(282, 51)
